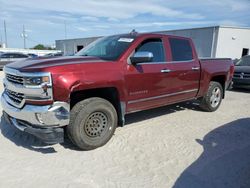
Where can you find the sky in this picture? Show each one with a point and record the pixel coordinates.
(45, 20)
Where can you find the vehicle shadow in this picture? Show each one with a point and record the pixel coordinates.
(156, 112)
(146, 115)
(30, 142)
(225, 162)
(23, 139)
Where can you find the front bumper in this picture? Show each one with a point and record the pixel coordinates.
(56, 115)
(241, 83)
(44, 122)
(50, 135)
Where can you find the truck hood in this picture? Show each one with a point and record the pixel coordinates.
(245, 69)
(52, 61)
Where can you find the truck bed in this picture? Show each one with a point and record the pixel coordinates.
(210, 67)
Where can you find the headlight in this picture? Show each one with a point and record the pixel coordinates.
(36, 81)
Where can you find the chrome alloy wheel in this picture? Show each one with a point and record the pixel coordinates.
(96, 124)
(215, 97)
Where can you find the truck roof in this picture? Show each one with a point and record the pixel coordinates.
(136, 35)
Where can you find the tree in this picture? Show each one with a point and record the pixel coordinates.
(40, 47)
(43, 47)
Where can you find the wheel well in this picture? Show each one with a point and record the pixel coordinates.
(111, 94)
(220, 79)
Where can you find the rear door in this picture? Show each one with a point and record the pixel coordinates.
(183, 70)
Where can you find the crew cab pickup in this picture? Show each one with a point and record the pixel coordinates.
(89, 94)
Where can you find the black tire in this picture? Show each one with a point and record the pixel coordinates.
(92, 123)
(212, 100)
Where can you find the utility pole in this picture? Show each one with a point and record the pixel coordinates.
(65, 29)
(5, 34)
(24, 35)
(1, 43)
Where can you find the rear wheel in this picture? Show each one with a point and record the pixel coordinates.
(212, 100)
(92, 123)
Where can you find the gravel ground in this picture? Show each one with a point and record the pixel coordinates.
(178, 146)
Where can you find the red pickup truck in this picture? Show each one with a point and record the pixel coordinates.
(89, 94)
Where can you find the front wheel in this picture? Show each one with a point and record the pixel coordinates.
(92, 123)
(212, 100)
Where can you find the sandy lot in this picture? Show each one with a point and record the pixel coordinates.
(178, 146)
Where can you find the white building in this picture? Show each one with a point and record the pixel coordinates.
(215, 41)
(71, 46)
(218, 41)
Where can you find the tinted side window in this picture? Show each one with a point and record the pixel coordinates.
(155, 46)
(12, 55)
(20, 56)
(181, 49)
(23, 56)
(16, 55)
(5, 56)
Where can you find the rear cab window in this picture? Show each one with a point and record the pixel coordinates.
(181, 49)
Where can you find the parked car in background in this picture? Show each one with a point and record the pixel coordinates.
(9, 57)
(235, 60)
(241, 78)
(54, 54)
(32, 55)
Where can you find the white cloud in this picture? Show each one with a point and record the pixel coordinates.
(139, 25)
(231, 23)
(62, 17)
(233, 5)
(95, 17)
(28, 30)
(109, 8)
(113, 20)
(106, 26)
(89, 18)
(82, 29)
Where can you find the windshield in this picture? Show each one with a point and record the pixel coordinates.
(244, 61)
(107, 48)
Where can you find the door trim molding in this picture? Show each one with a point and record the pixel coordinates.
(161, 96)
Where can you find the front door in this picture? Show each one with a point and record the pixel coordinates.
(145, 81)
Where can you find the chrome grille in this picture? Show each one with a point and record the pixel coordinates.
(14, 79)
(15, 97)
(242, 75)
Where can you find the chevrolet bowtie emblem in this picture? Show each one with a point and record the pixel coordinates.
(242, 75)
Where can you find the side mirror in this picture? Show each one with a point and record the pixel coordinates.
(140, 57)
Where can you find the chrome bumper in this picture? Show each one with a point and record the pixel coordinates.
(55, 115)
(50, 135)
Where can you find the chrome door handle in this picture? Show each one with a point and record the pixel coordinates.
(195, 68)
(165, 71)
